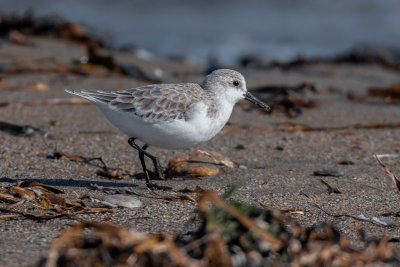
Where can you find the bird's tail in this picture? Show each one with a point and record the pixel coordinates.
(93, 96)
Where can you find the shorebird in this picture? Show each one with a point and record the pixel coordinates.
(172, 116)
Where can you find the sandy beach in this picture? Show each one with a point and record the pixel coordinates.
(278, 158)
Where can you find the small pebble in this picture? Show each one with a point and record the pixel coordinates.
(5, 151)
(83, 59)
(240, 146)
(54, 123)
(362, 217)
(383, 221)
(125, 201)
(346, 162)
(158, 72)
(333, 173)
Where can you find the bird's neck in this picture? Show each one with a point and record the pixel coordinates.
(220, 108)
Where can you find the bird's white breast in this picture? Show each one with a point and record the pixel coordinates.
(176, 134)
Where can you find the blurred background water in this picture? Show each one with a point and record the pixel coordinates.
(227, 30)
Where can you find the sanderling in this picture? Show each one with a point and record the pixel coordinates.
(172, 116)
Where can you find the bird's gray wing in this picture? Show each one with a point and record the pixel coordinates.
(152, 103)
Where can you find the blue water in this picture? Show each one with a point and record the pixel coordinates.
(273, 29)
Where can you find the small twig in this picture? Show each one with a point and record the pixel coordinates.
(105, 167)
(200, 241)
(341, 215)
(178, 197)
(153, 195)
(6, 216)
(35, 217)
(388, 172)
(331, 188)
(288, 211)
(73, 157)
(11, 206)
(104, 203)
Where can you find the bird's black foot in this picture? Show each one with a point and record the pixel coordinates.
(142, 152)
(152, 187)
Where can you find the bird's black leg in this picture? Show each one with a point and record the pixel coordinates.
(157, 166)
(146, 173)
(132, 143)
(142, 153)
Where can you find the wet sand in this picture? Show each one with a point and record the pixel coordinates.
(277, 165)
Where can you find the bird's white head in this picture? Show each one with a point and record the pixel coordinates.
(230, 85)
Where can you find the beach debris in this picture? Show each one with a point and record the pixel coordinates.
(40, 65)
(231, 234)
(112, 174)
(382, 156)
(18, 130)
(294, 127)
(196, 190)
(346, 162)
(177, 197)
(44, 201)
(394, 178)
(39, 86)
(104, 171)
(126, 201)
(3, 82)
(240, 147)
(54, 123)
(8, 198)
(96, 58)
(391, 213)
(58, 154)
(88, 69)
(328, 172)
(152, 195)
(384, 221)
(16, 37)
(72, 31)
(288, 211)
(18, 29)
(216, 157)
(390, 94)
(331, 188)
(28, 24)
(199, 163)
(45, 187)
(14, 213)
(360, 217)
(113, 190)
(289, 98)
(387, 58)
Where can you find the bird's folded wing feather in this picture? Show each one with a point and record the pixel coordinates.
(152, 103)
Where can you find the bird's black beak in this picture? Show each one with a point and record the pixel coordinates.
(251, 98)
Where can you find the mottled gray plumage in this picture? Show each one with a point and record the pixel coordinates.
(155, 103)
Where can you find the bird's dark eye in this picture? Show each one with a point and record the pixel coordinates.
(235, 83)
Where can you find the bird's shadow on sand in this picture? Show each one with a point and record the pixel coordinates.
(70, 183)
